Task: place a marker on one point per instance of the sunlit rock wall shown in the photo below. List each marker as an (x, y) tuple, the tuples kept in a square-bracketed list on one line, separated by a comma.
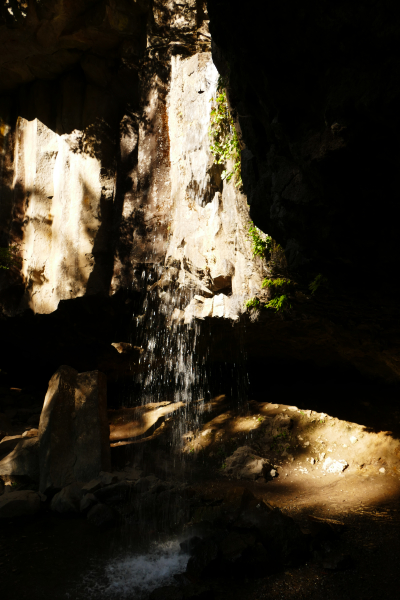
[(107, 171), (62, 214), (209, 224)]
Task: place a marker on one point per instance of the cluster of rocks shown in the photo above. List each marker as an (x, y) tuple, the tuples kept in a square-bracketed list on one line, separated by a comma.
[(246, 463), (238, 535), (125, 496), (71, 444)]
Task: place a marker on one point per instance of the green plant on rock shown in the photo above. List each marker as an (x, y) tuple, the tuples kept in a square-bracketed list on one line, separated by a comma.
[(319, 281), (279, 303), (253, 303), (261, 245), (275, 283), (224, 141), (9, 258)]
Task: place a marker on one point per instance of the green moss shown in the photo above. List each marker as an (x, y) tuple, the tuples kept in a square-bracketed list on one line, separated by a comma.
[(224, 141), (275, 283)]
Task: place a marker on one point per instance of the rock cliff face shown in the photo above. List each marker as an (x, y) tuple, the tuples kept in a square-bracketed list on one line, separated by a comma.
[(90, 180), (109, 192), (96, 187)]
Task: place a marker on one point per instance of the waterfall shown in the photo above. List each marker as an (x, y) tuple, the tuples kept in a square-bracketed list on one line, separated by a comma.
[(204, 278)]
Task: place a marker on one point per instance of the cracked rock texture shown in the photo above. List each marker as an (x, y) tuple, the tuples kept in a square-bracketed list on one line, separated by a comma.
[(107, 186)]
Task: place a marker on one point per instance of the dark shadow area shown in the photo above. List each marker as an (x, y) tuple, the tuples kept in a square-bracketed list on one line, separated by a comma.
[(340, 392)]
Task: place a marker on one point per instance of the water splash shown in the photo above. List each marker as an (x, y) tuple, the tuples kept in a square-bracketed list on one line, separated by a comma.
[(135, 575)]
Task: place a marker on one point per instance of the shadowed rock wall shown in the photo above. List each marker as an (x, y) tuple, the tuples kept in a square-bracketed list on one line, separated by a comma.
[(316, 90)]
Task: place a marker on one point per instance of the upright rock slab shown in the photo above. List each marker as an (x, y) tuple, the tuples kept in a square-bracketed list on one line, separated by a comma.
[(73, 431)]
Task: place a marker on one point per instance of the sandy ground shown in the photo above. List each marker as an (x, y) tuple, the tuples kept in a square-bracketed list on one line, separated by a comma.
[(44, 558), (361, 501)]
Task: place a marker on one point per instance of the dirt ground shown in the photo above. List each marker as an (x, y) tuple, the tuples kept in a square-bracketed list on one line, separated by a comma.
[(44, 558), (361, 501)]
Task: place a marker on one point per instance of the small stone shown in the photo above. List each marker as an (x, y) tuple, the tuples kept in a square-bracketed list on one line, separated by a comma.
[(334, 466), (344, 445), (272, 472), (122, 347), (87, 502), (102, 515), (312, 461), (322, 456), (108, 478), (92, 486), (382, 470), (306, 444), (68, 499), (30, 433), (353, 439)]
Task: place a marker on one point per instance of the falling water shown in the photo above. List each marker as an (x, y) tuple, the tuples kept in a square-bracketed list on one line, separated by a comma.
[(173, 368)]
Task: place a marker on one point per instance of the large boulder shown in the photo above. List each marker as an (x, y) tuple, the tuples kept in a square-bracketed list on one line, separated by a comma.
[(23, 461), (19, 504), (73, 430)]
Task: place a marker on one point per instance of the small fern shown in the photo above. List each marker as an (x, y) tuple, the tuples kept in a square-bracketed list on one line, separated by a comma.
[(260, 245), (317, 282), (253, 303), (224, 140), (279, 303)]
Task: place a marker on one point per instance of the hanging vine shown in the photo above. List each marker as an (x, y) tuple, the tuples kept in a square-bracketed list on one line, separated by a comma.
[(224, 141)]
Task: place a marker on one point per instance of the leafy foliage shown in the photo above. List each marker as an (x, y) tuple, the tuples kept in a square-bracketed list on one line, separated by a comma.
[(253, 303), (260, 245), (9, 258), (275, 283), (317, 282), (279, 303), (224, 141)]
